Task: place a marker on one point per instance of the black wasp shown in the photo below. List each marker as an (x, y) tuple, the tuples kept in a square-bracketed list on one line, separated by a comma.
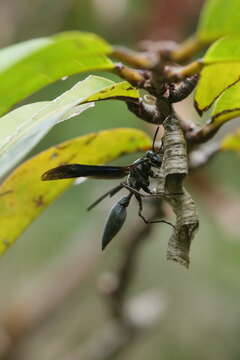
[(138, 178)]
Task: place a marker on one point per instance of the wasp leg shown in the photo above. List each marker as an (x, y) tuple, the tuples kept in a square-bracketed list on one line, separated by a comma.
[(110, 193), (154, 139), (136, 192), (150, 194), (147, 221)]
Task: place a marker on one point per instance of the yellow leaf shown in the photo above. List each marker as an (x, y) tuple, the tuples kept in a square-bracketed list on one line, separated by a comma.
[(214, 80), (227, 106), (23, 196)]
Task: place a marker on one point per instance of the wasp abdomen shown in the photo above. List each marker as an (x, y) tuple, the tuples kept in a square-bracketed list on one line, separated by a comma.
[(115, 220)]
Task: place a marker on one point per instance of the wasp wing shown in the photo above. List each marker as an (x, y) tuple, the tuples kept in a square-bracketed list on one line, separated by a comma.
[(78, 170)]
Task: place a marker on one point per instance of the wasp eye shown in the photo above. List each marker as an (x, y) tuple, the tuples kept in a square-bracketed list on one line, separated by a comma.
[(150, 153)]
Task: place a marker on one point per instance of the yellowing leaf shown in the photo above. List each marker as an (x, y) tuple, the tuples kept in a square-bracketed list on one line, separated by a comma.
[(29, 66), (121, 90), (227, 106), (219, 18), (231, 142), (213, 81), (23, 196)]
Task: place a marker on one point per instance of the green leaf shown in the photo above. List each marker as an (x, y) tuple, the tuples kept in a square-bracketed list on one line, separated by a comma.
[(11, 55), (23, 196), (231, 142), (219, 18), (23, 128), (29, 66), (214, 80), (226, 49), (222, 70), (227, 106)]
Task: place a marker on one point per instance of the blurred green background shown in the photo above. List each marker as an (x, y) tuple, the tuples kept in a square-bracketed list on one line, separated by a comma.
[(200, 317)]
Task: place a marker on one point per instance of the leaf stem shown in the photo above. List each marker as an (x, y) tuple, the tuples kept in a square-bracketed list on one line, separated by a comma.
[(142, 60), (177, 74), (186, 50), (133, 76)]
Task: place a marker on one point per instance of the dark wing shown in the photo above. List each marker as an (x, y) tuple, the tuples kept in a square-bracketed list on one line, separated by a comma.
[(78, 170)]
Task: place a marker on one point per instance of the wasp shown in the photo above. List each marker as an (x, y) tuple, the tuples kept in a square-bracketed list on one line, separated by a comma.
[(138, 176)]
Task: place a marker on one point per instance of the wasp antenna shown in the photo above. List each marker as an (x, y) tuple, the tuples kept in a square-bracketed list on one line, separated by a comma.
[(154, 139)]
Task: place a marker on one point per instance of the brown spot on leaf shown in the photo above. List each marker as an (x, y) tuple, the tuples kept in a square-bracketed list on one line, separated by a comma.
[(53, 156), (39, 201), (123, 153), (106, 90), (6, 193), (6, 243), (132, 139), (92, 138), (62, 146)]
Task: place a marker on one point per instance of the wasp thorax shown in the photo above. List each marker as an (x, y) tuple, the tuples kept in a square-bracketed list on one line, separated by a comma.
[(154, 158)]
